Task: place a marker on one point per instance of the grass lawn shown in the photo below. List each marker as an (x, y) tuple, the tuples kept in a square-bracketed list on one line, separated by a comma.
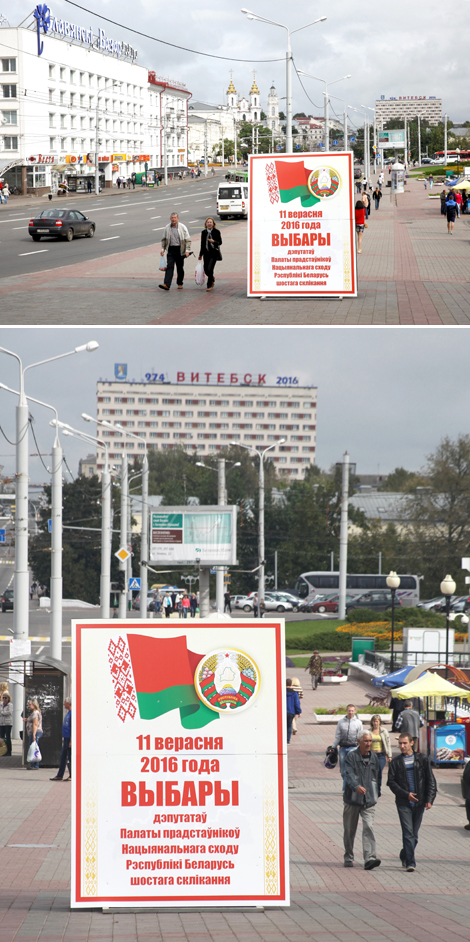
[(304, 636)]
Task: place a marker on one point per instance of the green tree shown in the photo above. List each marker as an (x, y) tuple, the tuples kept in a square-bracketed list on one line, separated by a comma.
[(402, 480), (81, 558), (439, 513)]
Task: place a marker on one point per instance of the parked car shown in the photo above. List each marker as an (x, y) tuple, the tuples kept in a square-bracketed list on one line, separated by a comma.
[(150, 600), (379, 601), (461, 604), (285, 597), (329, 605), (61, 224), (7, 599), (432, 605), (272, 605)]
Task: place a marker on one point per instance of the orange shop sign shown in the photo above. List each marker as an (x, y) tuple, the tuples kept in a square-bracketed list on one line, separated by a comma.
[(120, 157), (141, 157)]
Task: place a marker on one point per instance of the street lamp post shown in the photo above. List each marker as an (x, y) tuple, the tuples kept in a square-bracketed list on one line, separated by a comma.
[(56, 534), (263, 19), (145, 503), (345, 119), (105, 576), (221, 501), (393, 581), (375, 136), (261, 560), (21, 608), (97, 141), (448, 588), (366, 142), (327, 100), (343, 537)]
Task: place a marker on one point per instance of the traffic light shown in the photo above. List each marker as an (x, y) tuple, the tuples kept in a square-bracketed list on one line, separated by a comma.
[(121, 580)]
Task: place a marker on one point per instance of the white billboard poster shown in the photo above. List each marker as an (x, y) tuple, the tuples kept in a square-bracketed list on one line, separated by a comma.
[(179, 752), (301, 226), (186, 535)]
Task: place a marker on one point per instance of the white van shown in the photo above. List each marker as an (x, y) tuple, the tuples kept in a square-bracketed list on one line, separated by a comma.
[(232, 200)]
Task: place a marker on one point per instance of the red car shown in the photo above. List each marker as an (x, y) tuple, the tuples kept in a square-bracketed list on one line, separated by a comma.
[(328, 605)]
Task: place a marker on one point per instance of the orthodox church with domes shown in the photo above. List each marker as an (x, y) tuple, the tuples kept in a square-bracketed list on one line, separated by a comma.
[(249, 109)]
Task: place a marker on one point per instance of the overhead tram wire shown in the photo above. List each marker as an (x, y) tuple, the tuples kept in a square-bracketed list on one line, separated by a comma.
[(164, 42)]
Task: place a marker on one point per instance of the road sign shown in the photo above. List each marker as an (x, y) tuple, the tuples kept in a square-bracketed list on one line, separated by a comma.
[(2, 536), (134, 585), (49, 525), (297, 146), (279, 147), (320, 144), (123, 554), (335, 143), (352, 139)]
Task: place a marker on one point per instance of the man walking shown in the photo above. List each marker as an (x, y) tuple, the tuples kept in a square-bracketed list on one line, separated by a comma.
[(227, 602), (411, 779), (315, 668), (65, 759), (363, 780), (409, 722), (348, 732), (176, 242)]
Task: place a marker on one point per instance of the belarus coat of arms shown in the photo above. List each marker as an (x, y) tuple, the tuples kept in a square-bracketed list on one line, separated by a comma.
[(227, 680)]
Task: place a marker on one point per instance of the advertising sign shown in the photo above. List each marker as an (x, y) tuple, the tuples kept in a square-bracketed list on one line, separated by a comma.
[(182, 798), (301, 228), (182, 535), (392, 139)]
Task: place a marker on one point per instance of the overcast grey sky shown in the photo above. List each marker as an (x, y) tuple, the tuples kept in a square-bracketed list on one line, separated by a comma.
[(402, 49), (387, 395)]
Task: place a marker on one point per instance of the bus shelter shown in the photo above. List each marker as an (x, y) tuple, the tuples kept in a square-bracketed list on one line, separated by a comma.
[(46, 680)]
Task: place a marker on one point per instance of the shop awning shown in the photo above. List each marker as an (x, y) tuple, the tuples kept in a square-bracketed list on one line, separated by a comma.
[(429, 685)]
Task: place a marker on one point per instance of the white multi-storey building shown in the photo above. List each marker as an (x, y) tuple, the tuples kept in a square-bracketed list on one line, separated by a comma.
[(54, 86), (204, 412), (408, 106)]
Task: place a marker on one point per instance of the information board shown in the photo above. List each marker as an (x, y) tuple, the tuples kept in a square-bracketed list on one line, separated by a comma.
[(185, 535), (392, 139), (182, 797), (301, 226)]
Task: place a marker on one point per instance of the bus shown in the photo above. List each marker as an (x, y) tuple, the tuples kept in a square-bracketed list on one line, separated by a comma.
[(321, 582), (452, 156), (237, 176)]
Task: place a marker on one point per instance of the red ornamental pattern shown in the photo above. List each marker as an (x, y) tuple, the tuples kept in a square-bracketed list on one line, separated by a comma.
[(271, 180), (122, 678)]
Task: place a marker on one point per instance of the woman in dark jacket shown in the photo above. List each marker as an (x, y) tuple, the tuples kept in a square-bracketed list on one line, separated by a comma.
[(211, 240)]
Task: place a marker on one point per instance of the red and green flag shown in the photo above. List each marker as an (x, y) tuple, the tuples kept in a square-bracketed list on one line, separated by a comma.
[(292, 178), (152, 676)]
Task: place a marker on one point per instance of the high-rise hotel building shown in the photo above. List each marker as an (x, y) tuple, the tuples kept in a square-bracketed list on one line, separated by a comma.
[(204, 412)]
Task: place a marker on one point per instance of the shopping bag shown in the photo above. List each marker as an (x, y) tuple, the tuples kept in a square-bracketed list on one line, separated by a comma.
[(34, 753), (162, 265), (199, 273)]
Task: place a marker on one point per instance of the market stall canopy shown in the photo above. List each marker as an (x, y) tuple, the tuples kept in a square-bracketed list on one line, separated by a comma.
[(429, 685), (463, 184), (392, 680)]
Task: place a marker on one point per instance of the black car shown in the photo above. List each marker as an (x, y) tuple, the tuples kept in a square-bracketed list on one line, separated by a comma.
[(61, 224), (7, 599), (377, 601)]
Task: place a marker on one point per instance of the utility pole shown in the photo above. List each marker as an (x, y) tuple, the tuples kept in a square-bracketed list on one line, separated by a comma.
[(204, 598), (406, 142), (123, 565), (275, 570), (326, 112), (56, 548), (343, 538), (105, 579), (419, 140), (445, 140), (288, 96), (97, 169), (205, 148), (144, 543), (221, 501), (165, 155), (236, 142)]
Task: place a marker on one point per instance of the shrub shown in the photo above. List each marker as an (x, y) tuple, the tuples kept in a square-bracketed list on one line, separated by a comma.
[(324, 641), (371, 710), (362, 615)]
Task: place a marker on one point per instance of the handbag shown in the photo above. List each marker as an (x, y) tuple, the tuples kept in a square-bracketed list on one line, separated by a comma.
[(162, 265)]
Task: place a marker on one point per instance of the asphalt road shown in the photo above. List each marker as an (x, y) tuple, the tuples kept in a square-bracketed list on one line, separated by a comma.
[(129, 219)]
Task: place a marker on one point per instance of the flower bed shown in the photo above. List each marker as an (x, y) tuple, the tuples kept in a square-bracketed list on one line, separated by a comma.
[(381, 630)]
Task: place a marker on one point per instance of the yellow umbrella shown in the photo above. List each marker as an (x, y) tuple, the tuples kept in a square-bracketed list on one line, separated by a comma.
[(429, 685), (462, 185)]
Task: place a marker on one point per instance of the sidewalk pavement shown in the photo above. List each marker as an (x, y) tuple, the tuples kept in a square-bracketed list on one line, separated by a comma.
[(21, 202), (411, 272), (329, 903)]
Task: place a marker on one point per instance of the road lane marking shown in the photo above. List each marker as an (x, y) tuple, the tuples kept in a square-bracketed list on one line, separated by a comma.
[(155, 217), (40, 649), (20, 219), (108, 238), (120, 214), (113, 225), (184, 211), (192, 220), (158, 229), (37, 252), (15, 228)]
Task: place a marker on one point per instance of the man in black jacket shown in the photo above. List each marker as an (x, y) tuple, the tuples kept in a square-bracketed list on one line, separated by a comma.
[(411, 779)]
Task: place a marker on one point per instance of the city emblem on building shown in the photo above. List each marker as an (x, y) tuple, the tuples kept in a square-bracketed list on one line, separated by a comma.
[(227, 680), (324, 182), (42, 16)]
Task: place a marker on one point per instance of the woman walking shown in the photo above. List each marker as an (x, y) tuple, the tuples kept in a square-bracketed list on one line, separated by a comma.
[(296, 685), (211, 240), (6, 713), (459, 201), (34, 726), (451, 208), (380, 741), (360, 214), (443, 196)]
